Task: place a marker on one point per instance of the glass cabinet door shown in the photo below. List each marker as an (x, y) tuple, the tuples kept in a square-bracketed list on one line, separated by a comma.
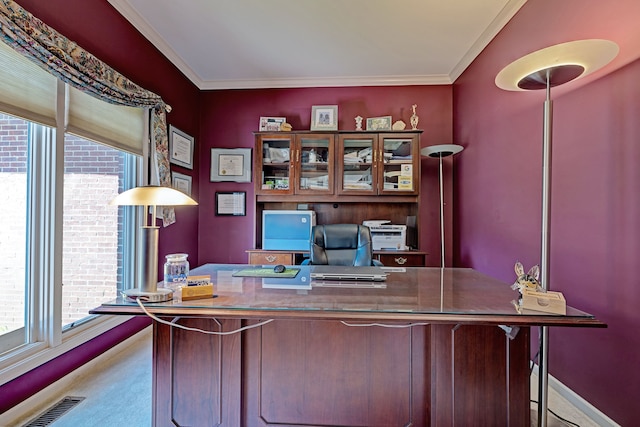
[(356, 164), (274, 165), (314, 164), (398, 171)]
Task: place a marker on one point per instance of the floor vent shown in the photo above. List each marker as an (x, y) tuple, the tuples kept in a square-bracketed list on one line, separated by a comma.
[(55, 412)]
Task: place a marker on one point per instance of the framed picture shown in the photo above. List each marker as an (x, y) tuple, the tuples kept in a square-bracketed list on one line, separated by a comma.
[(231, 203), (324, 117), (231, 164), (379, 123), (271, 124), (181, 182), (180, 148)]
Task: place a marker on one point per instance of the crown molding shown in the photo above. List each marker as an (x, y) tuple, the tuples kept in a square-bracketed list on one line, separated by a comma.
[(505, 15), (143, 26)]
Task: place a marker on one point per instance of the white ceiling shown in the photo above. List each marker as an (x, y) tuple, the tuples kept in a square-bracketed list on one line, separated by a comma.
[(238, 44)]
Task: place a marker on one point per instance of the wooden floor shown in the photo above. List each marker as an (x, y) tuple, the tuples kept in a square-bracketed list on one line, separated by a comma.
[(118, 393)]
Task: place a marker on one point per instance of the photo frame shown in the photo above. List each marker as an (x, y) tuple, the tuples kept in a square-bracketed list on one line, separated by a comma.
[(271, 124), (180, 148), (231, 203), (379, 123), (324, 117), (181, 182), (231, 164)]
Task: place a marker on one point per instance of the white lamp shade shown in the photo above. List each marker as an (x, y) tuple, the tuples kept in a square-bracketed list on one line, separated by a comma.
[(152, 195), (442, 150), (590, 55)]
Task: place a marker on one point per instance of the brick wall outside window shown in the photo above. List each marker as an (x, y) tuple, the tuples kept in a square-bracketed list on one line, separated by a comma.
[(90, 242)]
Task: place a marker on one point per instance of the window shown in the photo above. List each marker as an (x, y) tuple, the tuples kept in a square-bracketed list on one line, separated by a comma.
[(92, 242), (95, 235), (13, 230), (63, 248)]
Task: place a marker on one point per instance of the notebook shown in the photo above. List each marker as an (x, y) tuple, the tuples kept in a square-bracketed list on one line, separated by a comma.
[(338, 272)]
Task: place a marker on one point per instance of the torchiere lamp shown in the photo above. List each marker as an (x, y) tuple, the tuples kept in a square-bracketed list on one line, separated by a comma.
[(441, 151), (150, 196), (544, 69)]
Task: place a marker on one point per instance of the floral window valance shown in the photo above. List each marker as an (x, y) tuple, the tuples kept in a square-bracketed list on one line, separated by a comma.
[(75, 66)]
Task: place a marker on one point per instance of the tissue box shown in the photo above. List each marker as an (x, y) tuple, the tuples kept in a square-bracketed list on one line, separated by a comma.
[(549, 302)]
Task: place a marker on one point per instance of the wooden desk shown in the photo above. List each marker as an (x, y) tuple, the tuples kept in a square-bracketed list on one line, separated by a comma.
[(328, 359)]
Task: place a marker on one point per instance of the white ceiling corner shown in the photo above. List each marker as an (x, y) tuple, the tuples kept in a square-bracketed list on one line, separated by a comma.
[(246, 44)]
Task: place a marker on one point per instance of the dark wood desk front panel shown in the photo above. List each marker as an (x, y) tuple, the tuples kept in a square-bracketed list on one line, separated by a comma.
[(454, 367)]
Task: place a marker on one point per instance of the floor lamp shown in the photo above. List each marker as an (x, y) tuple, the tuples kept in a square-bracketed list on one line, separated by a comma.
[(440, 152), (150, 196), (544, 69)]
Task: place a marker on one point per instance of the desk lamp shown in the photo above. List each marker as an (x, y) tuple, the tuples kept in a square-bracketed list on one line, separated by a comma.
[(544, 69), (150, 196), (441, 151)]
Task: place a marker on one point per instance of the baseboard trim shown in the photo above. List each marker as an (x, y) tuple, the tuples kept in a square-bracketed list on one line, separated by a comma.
[(578, 401), (52, 393)]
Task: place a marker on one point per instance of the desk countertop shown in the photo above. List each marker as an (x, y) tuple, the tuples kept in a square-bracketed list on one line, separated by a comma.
[(412, 294)]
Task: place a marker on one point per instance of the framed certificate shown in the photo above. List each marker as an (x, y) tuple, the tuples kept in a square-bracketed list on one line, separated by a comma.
[(231, 164), (231, 203), (180, 148)]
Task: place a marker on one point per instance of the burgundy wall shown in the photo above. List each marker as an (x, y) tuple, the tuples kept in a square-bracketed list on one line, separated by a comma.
[(229, 117), (98, 28), (595, 202)]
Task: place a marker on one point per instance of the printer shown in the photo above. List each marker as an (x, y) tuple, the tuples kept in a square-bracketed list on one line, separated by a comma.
[(385, 236)]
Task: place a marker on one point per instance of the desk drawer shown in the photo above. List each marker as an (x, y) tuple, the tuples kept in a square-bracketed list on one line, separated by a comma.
[(267, 257), (401, 259)]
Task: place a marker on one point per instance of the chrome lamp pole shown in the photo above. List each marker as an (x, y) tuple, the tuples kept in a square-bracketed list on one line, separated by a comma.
[(441, 151), (544, 69)]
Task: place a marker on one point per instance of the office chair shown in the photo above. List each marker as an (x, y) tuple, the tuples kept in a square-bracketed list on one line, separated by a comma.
[(341, 244)]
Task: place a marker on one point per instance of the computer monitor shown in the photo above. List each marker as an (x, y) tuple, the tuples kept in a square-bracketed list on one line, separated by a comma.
[(287, 230)]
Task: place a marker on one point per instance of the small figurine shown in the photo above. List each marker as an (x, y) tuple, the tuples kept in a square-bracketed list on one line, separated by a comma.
[(358, 123), (529, 280), (414, 117)]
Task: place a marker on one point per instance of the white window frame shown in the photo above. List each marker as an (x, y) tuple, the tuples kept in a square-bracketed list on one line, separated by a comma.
[(46, 338)]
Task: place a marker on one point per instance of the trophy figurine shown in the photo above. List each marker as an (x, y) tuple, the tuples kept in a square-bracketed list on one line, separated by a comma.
[(358, 123), (414, 117)]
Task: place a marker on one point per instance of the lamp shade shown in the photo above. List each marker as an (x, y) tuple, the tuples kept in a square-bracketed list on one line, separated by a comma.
[(568, 61), (443, 150), (152, 195)]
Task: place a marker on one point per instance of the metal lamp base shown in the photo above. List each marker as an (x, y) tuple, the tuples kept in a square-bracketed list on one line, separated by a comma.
[(160, 295)]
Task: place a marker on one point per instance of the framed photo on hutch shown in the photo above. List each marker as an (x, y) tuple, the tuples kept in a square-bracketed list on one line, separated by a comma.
[(231, 164), (379, 123), (180, 148), (271, 124), (324, 117)]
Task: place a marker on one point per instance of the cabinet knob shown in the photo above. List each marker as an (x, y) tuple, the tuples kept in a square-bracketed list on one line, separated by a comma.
[(270, 258), (400, 260)]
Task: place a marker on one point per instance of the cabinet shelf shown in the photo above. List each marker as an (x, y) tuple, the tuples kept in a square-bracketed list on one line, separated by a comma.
[(352, 176)]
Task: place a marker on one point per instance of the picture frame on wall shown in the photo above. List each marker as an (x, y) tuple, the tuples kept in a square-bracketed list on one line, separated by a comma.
[(180, 148), (324, 117), (271, 124), (379, 123), (181, 182), (232, 203), (230, 164)]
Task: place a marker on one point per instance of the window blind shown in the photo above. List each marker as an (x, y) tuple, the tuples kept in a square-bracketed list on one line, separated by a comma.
[(116, 125), (29, 92), (26, 90)]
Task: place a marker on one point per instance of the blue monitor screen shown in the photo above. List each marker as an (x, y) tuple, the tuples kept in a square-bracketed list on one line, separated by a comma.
[(287, 230)]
